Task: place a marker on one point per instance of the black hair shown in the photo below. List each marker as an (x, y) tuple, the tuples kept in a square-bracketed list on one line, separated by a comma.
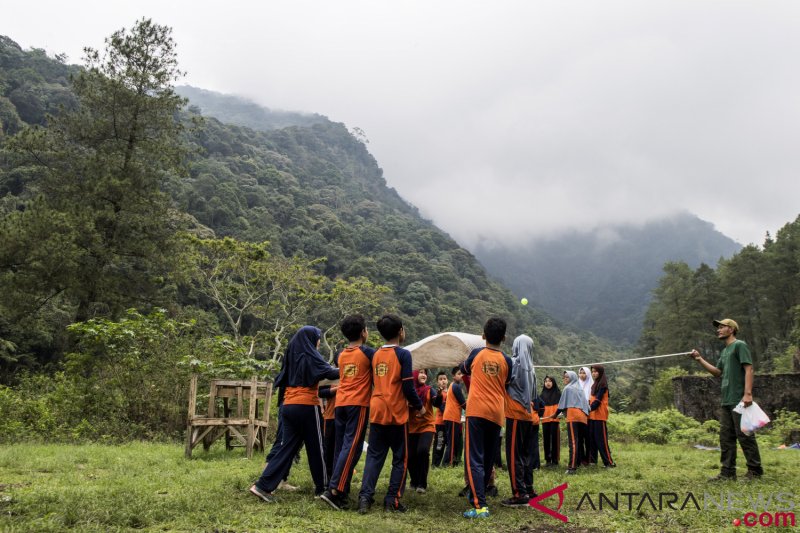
[(352, 327), (494, 330), (442, 373), (455, 369), (389, 326)]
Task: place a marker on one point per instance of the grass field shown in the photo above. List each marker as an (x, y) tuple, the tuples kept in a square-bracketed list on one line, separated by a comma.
[(152, 487)]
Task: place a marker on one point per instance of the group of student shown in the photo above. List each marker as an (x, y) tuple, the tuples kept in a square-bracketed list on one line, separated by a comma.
[(379, 389), (584, 405)]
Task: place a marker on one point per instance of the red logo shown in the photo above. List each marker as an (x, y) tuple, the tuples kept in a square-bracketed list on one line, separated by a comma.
[(534, 502)]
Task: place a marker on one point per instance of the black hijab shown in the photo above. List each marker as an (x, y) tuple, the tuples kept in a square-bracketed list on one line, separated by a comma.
[(303, 365), (601, 382), (553, 395)]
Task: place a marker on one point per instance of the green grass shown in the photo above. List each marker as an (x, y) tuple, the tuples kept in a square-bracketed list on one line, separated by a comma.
[(152, 487)]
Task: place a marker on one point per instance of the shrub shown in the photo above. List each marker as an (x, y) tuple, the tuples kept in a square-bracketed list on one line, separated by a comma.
[(781, 428), (659, 426), (662, 395)]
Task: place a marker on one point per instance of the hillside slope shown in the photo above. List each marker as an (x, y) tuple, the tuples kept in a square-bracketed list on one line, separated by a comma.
[(602, 280), (310, 189)]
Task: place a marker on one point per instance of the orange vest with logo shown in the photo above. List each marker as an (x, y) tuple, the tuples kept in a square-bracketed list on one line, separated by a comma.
[(388, 405), (355, 377), (489, 371)]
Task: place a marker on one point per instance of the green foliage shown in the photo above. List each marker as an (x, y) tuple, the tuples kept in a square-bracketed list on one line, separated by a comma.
[(782, 427), (89, 230), (222, 357), (127, 373), (660, 426), (661, 395), (93, 201), (758, 287), (601, 280)]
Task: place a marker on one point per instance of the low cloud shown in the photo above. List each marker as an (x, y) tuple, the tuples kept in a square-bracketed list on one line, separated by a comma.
[(512, 120)]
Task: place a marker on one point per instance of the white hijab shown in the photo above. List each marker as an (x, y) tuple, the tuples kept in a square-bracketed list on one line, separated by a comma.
[(586, 385)]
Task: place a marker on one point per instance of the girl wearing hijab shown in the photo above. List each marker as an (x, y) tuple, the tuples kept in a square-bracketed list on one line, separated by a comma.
[(574, 406), (301, 416), (586, 381), (598, 415), (551, 433), (520, 441), (420, 432)]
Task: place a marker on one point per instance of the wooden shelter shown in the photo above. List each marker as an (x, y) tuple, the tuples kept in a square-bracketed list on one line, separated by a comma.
[(247, 427)]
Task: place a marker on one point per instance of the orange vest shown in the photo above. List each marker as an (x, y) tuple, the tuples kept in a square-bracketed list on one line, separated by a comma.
[(601, 413), (355, 378), (425, 422), (388, 405), (576, 415), (514, 410), (439, 410), (487, 392), (452, 410), (301, 396), (550, 410)]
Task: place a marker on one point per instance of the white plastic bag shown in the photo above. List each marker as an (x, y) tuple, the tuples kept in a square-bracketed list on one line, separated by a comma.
[(753, 418)]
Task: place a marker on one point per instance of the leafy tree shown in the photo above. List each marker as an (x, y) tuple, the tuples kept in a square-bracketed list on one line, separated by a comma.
[(261, 297), (99, 171), (345, 297), (759, 287), (662, 395)]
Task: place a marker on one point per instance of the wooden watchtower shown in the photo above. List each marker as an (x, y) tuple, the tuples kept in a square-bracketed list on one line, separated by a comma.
[(247, 427)]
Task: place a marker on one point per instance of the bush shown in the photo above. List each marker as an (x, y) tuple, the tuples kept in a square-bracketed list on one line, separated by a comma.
[(781, 428), (662, 395), (40, 407), (123, 382), (706, 434), (661, 427)]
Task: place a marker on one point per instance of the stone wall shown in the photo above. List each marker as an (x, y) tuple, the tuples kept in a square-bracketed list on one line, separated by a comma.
[(698, 396)]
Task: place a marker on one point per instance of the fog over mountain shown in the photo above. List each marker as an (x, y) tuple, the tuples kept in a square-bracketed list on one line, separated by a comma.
[(507, 120), (601, 280)]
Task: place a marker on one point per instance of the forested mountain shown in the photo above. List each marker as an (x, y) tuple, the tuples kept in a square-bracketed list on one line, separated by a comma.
[(242, 112), (99, 218), (602, 280), (757, 287)]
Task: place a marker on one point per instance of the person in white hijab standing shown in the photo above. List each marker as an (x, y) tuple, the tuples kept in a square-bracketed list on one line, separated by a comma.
[(575, 407), (586, 381)]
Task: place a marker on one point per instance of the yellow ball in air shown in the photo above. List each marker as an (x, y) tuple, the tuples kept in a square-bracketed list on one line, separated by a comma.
[(524, 301)]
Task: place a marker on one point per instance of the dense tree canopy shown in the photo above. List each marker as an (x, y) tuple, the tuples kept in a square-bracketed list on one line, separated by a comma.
[(132, 225), (758, 287)]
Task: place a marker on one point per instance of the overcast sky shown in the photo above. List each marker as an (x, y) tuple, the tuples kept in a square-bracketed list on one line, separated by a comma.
[(502, 120)]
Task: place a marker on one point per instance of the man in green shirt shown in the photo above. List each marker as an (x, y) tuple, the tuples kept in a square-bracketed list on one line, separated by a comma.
[(735, 366)]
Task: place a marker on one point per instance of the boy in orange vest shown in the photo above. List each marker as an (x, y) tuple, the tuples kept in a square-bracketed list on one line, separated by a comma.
[(392, 394), (491, 370)]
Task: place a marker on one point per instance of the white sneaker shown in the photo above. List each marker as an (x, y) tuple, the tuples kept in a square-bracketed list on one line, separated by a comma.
[(285, 486)]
